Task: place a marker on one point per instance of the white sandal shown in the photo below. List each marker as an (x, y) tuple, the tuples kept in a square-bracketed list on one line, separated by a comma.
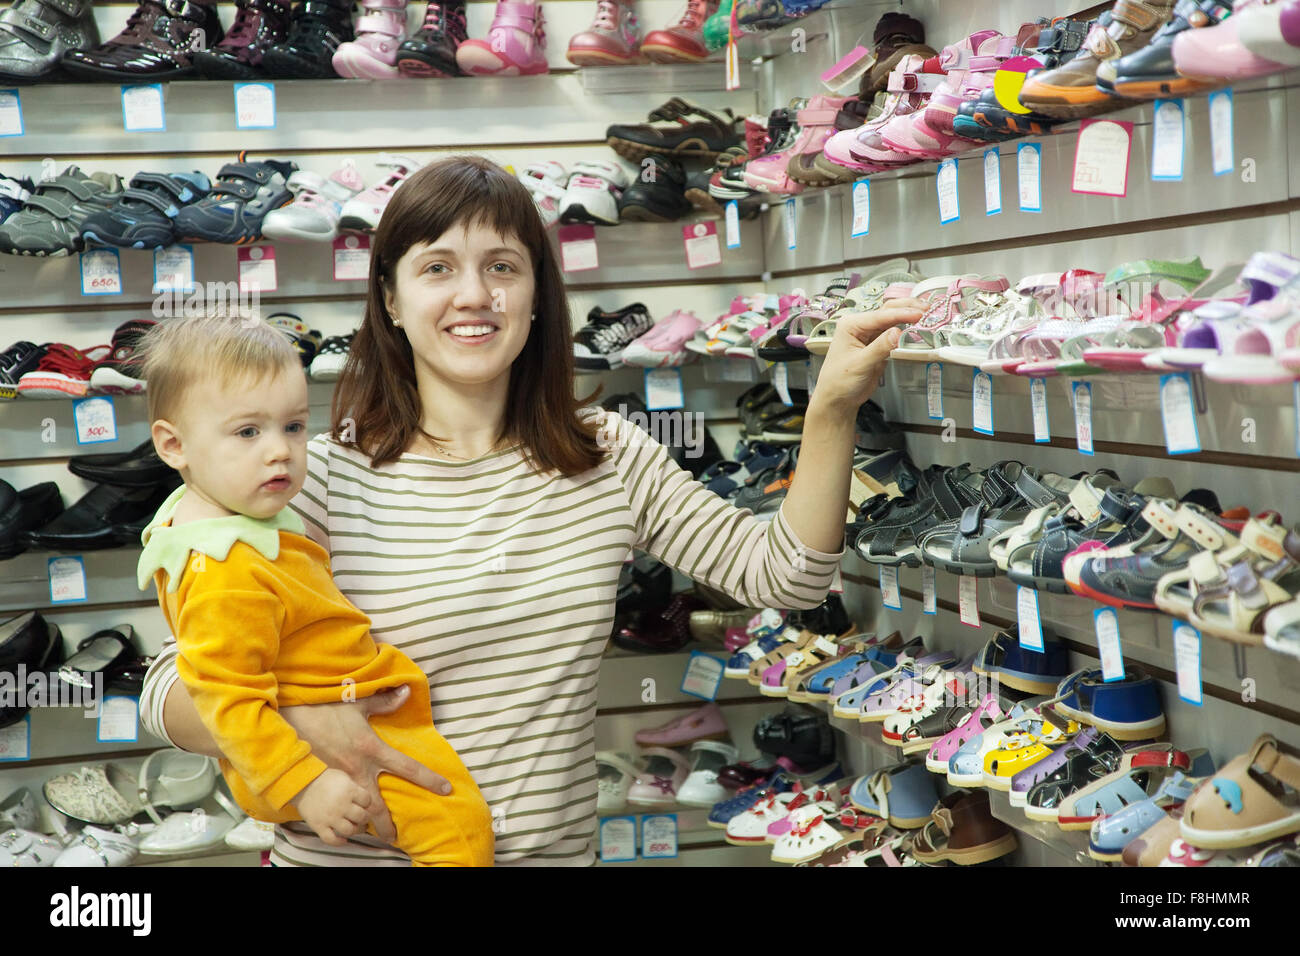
[(612, 787)]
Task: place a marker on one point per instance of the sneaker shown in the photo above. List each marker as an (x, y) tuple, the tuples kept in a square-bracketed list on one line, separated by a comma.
[(373, 54), (63, 372), (657, 195), (316, 29), (35, 34), (15, 362), (13, 193), (763, 496), (121, 373), (516, 43), (613, 37), (361, 213), (678, 128), (239, 200), (329, 360), (317, 205), (431, 50), (665, 344), (599, 345), (683, 42), (155, 44), (259, 25), (50, 223), (144, 218), (305, 340), (546, 183), (592, 193)]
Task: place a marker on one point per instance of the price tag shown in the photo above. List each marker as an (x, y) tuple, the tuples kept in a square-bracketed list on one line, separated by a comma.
[(1178, 411), (731, 216), (736, 370), (119, 720), (1187, 657), (578, 248), (659, 836), (861, 209), (992, 182), (1223, 155), (1083, 417), (934, 390), (968, 600), (702, 249), (1101, 158), (791, 226), (67, 580), (945, 182), (1038, 402), (16, 740), (1168, 136), (928, 600), (11, 113), (256, 268), (173, 269), (781, 382), (617, 839), (96, 421), (733, 64), (703, 675), (142, 109), (889, 588), (1029, 166), (1106, 622), (982, 397), (351, 258), (837, 582), (255, 105), (663, 389), (1027, 616), (101, 272)]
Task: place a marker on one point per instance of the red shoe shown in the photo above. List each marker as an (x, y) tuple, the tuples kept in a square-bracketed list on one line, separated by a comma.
[(684, 41), (613, 36), (64, 372)]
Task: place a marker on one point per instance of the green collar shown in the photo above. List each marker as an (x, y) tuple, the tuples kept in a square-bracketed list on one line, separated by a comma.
[(170, 548)]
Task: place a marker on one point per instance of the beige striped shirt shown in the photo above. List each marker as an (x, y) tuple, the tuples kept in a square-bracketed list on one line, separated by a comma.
[(500, 583)]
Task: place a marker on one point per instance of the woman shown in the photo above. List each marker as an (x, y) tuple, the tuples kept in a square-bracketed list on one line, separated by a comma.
[(481, 517)]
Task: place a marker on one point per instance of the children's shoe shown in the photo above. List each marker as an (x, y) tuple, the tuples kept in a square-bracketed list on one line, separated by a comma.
[(373, 54), (258, 26), (316, 30), (665, 344), (34, 36), (50, 223), (361, 213), (15, 362), (702, 788), (516, 43), (431, 50), (613, 37), (546, 183), (658, 194), (122, 373), (13, 193), (683, 42), (666, 770), (238, 202), (317, 205), (144, 218), (592, 193), (598, 346), (331, 357), (63, 372), (678, 128), (155, 44)]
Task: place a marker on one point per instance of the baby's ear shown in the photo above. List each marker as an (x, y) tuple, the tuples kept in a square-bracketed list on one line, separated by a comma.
[(167, 443)]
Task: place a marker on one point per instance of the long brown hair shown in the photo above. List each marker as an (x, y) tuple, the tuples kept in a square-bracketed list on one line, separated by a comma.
[(377, 386)]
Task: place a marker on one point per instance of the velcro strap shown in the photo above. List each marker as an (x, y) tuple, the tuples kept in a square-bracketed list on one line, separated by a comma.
[(900, 82), (1204, 568), (1243, 580), (33, 25), (1272, 268), (995, 486), (73, 8), (1115, 506), (1160, 515), (972, 520), (1084, 498), (527, 11), (986, 62), (181, 190), (670, 111), (249, 171), (1204, 531), (152, 199), (55, 206), (1137, 14), (1161, 758), (1033, 490), (946, 496), (1265, 538)]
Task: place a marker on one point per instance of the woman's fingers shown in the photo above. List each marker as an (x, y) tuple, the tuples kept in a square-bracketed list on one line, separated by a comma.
[(386, 701), (400, 765)]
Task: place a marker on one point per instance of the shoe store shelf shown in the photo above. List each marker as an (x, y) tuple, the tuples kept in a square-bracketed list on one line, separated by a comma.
[(629, 679), (1072, 844), (838, 21)]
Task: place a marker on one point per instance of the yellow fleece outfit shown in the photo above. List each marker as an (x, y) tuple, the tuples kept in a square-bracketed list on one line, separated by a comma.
[(260, 625)]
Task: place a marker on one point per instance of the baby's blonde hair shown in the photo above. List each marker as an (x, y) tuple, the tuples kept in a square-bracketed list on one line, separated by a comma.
[(178, 353)]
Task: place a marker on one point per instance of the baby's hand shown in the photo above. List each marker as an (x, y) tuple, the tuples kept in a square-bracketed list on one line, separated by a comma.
[(334, 806)]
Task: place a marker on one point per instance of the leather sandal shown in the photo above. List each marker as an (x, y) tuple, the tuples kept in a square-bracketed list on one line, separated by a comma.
[(963, 830)]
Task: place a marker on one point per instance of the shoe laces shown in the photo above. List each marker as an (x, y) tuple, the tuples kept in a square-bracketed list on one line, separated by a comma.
[(438, 17), (69, 361), (697, 11)]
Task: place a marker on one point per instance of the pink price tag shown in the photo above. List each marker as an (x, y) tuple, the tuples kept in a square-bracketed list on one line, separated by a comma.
[(578, 248), (852, 66), (256, 268), (702, 248), (1101, 158), (351, 258)]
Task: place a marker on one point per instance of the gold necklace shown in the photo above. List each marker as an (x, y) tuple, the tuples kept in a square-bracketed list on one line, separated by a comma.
[(450, 454)]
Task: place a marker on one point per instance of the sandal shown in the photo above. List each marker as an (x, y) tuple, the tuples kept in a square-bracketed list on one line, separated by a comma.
[(1076, 289), (783, 342), (1255, 797), (889, 280), (1137, 778), (614, 775), (1082, 763), (1112, 834), (989, 712), (893, 534), (1050, 768), (963, 830), (1282, 629), (919, 342)]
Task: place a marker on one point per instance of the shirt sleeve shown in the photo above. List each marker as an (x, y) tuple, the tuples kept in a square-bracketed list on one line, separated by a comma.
[(687, 527), (311, 503), (157, 685)]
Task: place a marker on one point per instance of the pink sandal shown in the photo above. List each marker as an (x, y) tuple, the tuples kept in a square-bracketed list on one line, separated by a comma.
[(909, 86), (516, 43)]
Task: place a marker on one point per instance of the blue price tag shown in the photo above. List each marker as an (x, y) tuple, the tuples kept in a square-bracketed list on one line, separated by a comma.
[(1168, 138), (659, 836), (663, 389), (731, 218), (1178, 412), (992, 182), (1028, 618), (945, 184), (861, 225), (1187, 661), (142, 109), (95, 419), (982, 399), (617, 839), (67, 580), (119, 720), (1222, 149), (703, 676), (1083, 417)]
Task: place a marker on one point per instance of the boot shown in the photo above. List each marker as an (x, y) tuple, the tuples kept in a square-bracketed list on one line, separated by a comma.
[(259, 24), (516, 43), (683, 42), (614, 36), (431, 50), (156, 43), (316, 30), (34, 35), (373, 54)]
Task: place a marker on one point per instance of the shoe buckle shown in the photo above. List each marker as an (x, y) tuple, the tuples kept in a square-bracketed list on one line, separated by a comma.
[(177, 8)]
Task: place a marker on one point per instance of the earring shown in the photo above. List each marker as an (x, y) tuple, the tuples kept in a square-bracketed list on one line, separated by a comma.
[(397, 324), (534, 318)]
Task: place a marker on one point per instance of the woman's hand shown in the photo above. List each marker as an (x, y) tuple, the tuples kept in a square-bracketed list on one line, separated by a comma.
[(341, 736), (857, 356)]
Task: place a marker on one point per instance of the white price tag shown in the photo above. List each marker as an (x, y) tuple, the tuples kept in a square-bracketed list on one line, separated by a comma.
[(702, 249), (1028, 618), (1106, 622), (861, 209), (1038, 402), (992, 182), (95, 419), (254, 105), (733, 65), (737, 370), (663, 389), (781, 382), (659, 836), (788, 215), (67, 580), (1169, 134), (982, 397), (351, 258), (617, 839), (928, 598), (731, 215), (1178, 411), (142, 109), (934, 390), (889, 588), (1029, 166), (11, 113), (119, 720), (578, 248), (256, 268), (837, 582), (968, 600), (1187, 657), (945, 182), (1083, 417), (173, 269), (1101, 158), (1223, 153), (101, 272), (16, 740), (703, 675)]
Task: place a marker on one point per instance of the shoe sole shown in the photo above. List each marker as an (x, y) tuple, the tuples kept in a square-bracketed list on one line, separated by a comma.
[(640, 213), (353, 65), (481, 61), (86, 72), (576, 214), (418, 68), (662, 53), (114, 382), (600, 58), (700, 199), (693, 147), (219, 68), (1152, 89)]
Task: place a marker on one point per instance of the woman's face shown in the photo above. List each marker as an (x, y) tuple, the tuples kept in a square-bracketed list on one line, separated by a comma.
[(465, 302)]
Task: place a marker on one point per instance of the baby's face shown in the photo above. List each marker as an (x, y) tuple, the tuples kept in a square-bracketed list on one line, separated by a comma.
[(245, 443)]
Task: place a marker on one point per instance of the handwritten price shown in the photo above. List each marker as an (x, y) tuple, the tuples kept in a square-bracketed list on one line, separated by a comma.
[(104, 282), (660, 847)]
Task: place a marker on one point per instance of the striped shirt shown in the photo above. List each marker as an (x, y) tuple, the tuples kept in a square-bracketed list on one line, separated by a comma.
[(500, 583)]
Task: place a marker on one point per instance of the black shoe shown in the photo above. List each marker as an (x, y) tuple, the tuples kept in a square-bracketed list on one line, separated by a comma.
[(678, 128), (32, 643), (155, 44), (804, 738), (138, 468), (764, 493), (644, 586), (15, 362), (104, 517), (828, 618), (316, 30), (22, 511), (105, 652), (657, 195), (873, 432), (598, 346), (143, 217), (431, 50), (259, 25)]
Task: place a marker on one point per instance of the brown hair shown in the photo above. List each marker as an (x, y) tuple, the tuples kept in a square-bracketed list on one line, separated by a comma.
[(377, 386)]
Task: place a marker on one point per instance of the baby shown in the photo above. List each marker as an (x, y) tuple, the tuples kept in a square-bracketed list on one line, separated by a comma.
[(258, 620)]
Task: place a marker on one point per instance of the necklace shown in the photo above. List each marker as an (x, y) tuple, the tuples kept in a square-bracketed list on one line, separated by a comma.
[(450, 454)]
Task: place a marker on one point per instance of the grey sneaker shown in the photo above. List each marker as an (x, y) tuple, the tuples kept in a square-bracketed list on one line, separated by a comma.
[(50, 224), (34, 35)]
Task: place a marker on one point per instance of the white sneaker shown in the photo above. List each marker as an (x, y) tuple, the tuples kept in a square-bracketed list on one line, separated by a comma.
[(592, 193), (252, 835), (546, 182), (186, 832), (361, 213), (317, 205), (329, 360), (701, 788)]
